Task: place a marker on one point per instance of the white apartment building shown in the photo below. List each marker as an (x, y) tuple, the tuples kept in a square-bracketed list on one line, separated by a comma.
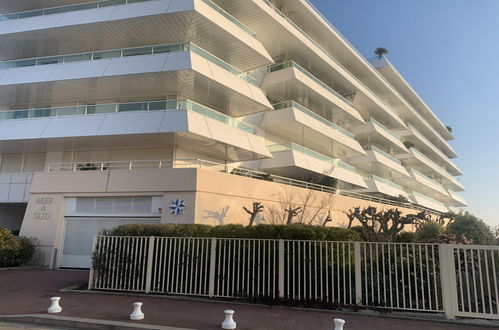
[(124, 111)]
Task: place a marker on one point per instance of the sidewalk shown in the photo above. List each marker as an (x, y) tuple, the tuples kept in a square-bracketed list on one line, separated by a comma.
[(29, 292)]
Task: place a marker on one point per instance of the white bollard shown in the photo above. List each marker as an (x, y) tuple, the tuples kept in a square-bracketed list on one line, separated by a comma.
[(54, 307), (229, 321), (338, 324), (137, 312)]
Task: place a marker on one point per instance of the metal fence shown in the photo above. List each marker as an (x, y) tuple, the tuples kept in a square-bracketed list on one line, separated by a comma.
[(457, 280)]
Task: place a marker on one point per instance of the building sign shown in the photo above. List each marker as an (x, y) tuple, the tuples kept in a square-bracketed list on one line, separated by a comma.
[(42, 212)]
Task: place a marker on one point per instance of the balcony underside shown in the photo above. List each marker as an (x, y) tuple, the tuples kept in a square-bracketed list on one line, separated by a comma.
[(300, 166), (380, 165), (371, 134), (428, 202), (132, 25), (297, 127), (148, 77), (292, 84), (378, 187), (171, 128)]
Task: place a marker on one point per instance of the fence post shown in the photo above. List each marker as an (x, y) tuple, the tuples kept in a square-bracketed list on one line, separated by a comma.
[(150, 253), (280, 270), (448, 279), (358, 274), (213, 258), (91, 274)]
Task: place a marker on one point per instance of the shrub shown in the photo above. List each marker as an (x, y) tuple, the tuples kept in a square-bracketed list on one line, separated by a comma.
[(405, 237), (428, 232), (472, 228), (15, 251), (297, 232)]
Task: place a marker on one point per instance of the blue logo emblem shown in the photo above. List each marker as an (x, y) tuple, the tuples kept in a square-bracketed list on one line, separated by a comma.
[(177, 207)]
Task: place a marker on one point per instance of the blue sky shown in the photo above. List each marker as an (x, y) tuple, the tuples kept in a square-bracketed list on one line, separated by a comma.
[(448, 50)]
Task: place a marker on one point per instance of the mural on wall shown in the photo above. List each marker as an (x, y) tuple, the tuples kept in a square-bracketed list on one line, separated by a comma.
[(177, 207)]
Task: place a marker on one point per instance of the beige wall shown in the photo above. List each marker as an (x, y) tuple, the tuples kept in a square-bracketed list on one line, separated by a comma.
[(211, 198)]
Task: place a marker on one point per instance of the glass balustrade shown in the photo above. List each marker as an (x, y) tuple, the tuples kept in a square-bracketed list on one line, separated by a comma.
[(378, 150), (126, 107), (382, 180)]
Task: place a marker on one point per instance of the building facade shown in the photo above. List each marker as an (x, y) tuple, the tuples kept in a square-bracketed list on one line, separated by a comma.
[(124, 111)]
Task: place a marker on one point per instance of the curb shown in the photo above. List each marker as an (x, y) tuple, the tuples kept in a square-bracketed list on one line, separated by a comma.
[(424, 317), (80, 323)]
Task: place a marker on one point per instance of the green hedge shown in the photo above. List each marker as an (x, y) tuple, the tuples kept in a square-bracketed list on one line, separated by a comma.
[(297, 232), (15, 251)]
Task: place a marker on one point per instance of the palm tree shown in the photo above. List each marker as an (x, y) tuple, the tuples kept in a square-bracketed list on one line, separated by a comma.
[(380, 51)]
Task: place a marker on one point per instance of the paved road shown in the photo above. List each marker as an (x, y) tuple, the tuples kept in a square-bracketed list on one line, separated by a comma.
[(19, 326), (28, 292)]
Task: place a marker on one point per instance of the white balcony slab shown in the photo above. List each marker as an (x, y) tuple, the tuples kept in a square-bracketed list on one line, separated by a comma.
[(374, 133), (134, 24), (424, 185), (299, 127), (382, 186), (286, 163), (137, 77), (427, 202), (379, 163)]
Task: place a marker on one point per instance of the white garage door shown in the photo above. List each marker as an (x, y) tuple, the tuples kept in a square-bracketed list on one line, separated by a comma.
[(79, 234)]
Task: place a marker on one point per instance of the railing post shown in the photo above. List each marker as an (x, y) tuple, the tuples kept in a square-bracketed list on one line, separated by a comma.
[(280, 270), (91, 274), (150, 253), (358, 274), (213, 258), (448, 279)]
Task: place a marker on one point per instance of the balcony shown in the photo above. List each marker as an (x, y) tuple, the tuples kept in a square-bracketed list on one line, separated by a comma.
[(428, 202), (380, 163), (428, 148), (290, 81), (295, 123), (295, 161), (130, 23), (379, 185), (181, 123), (416, 159), (373, 132), (423, 184), (134, 73), (456, 199)]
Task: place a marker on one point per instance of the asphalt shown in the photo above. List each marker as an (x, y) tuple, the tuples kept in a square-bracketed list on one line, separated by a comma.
[(27, 292)]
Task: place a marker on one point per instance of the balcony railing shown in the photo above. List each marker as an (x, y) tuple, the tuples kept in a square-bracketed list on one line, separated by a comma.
[(382, 127), (384, 181), (230, 18), (415, 193), (224, 168), (311, 153), (443, 170), (66, 9), (127, 107), (126, 52), (383, 153), (289, 64), (297, 106)]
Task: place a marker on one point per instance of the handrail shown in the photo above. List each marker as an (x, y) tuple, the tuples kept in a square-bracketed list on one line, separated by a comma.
[(224, 168), (126, 52), (297, 106), (127, 107), (66, 8)]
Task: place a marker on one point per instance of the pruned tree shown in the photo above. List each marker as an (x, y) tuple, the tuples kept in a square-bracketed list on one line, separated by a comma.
[(257, 208), (381, 226), (329, 218), (291, 213)]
